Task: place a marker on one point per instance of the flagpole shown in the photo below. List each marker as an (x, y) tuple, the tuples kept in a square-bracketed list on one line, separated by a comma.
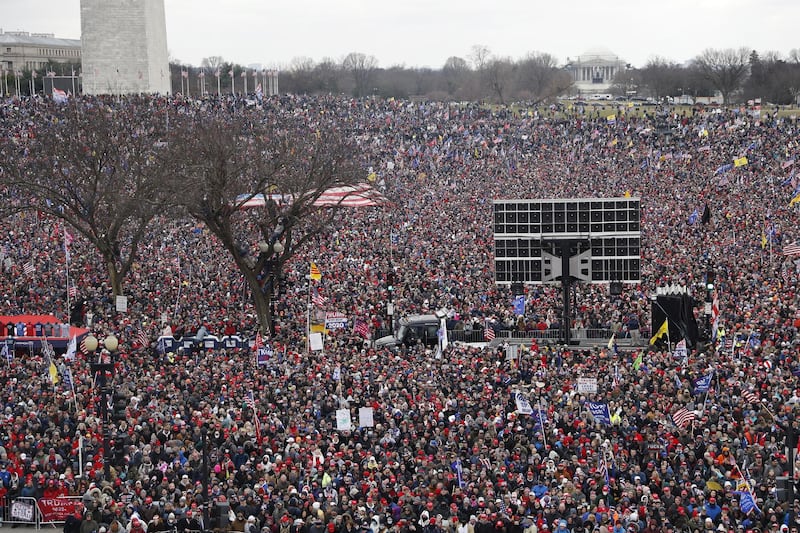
[(66, 262), (308, 318), (541, 422)]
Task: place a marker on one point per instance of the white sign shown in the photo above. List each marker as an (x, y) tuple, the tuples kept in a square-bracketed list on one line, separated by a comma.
[(335, 321), (22, 511), (587, 385), (315, 342), (343, 422), (512, 352), (523, 405), (122, 304), (365, 419)]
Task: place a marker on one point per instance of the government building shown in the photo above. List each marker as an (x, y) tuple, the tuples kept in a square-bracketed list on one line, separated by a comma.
[(21, 51), (594, 70)]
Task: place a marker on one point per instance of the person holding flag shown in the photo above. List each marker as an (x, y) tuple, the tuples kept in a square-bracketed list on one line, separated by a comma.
[(662, 331)]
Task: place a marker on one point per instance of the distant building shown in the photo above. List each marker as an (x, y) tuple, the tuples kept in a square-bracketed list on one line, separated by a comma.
[(594, 70), (23, 51), (124, 47)]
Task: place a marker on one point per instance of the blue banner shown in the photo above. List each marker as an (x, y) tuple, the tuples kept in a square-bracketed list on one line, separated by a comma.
[(519, 305), (600, 412), (701, 385)]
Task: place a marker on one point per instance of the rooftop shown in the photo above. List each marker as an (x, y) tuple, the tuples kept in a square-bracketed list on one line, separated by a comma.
[(36, 39)]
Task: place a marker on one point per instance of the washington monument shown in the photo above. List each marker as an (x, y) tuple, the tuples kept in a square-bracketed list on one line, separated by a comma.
[(124, 47)]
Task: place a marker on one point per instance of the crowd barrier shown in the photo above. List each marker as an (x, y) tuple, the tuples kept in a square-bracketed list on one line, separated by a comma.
[(31, 512)]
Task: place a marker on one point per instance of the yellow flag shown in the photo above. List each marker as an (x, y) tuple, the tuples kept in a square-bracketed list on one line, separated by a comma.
[(315, 274), (627, 194), (663, 330), (53, 373), (794, 200), (740, 162)]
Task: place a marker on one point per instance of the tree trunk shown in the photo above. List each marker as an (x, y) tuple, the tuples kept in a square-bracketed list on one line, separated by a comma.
[(114, 277), (261, 303)]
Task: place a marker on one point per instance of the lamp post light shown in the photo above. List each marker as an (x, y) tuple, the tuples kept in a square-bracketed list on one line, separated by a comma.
[(101, 369)]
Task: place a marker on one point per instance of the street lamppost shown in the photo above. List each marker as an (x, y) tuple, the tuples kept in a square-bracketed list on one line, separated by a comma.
[(103, 368), (272, 270)]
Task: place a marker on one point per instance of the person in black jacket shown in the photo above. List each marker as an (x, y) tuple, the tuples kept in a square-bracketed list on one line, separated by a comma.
[(73, 523)]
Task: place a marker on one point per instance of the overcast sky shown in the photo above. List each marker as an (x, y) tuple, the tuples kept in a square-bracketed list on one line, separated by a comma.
[(427, 32)]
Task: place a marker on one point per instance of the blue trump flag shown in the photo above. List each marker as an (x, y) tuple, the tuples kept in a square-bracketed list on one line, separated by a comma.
[(600, 412), (747, 503), (703, 384), (723, 168), (519, 304), (694, 216)]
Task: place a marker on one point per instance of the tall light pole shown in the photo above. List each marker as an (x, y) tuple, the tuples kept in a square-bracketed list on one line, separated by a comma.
[(102, 369)]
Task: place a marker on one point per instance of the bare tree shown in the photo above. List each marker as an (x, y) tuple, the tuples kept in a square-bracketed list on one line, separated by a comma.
[(362, 68), (480, 56), (539, 78), (329, 73), (455, 73), (96, 167), (498, 74), (212, 62), (662, 77), (726, 69), (224, 163)]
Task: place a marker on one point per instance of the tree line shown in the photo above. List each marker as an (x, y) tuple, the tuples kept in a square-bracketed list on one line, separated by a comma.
[(736, 74)]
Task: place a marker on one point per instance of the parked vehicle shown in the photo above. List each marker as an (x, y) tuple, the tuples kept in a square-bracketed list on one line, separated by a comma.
[(413, 329)]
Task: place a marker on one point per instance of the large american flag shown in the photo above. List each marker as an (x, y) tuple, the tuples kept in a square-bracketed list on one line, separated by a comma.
[(361, 328), (750, 396), (317, 299), (792, 249), (682, 417)]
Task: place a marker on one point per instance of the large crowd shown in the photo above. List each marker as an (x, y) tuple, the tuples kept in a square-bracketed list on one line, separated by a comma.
[(448, 450)]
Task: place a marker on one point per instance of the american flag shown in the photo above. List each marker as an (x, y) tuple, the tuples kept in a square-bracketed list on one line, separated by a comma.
[(317, 299), (602, 469), (750, 396), (250, 401), (29, 268), (361, 328), (714, 315), (83, 345), (792, 249), (73, 291), (682, 417), (488, 333), (141, 338)]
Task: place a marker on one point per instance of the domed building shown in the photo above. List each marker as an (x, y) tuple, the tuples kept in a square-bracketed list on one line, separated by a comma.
[(594, 70)]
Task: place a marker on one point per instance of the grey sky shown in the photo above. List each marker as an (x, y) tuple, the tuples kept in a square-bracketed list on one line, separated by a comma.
[(427, 32)]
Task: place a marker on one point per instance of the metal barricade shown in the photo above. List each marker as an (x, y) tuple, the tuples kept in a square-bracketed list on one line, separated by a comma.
[(54, 511), (22, 511)]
